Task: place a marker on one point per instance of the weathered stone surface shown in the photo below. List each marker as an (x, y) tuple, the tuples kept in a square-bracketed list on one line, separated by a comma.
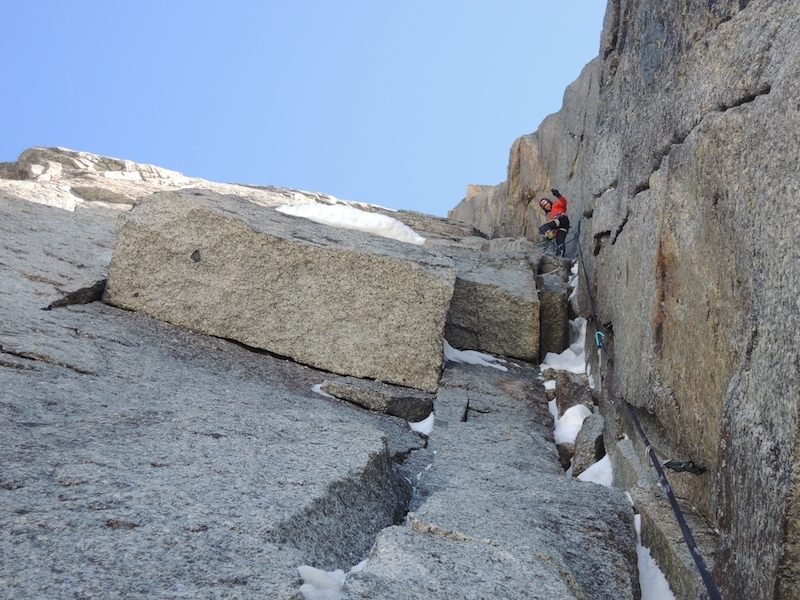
[(700, 329), (185, 464), (589, 444), (47, 254), (535, 254), (566, 451), (597, 565), (495, 492), (553, 314), (511, 208), (464, 320), (428, 226), (553, 156), (481, 208), (660, 530), (679, 144), (406, 403), (8, 170), (71, 179), (99, 194), (406, 565), (143, 460), (341, 300), (572, 389), (495, 305)]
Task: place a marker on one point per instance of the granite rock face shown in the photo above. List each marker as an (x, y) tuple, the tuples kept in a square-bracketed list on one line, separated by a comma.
[(553, 156), (495, 305), (406, 403), (551, 536), (589, 444), (339, 300), (554, 314), (145, 459), (677, 147), (72, 179), (572, 389)]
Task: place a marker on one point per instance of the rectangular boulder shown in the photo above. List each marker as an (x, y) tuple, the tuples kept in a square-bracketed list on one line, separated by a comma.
[(336, 299), (553, 314), (495, 306), (411, 405)]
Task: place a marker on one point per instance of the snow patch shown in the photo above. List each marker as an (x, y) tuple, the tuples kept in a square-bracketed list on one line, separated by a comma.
[(652, 581), (317, 389), (573, 359), (600, 472), (425, 427), (570, 423), (348, 217), (472, 357), (325, 585)]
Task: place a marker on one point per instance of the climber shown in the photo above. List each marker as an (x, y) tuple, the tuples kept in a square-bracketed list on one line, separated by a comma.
[(558, 225)]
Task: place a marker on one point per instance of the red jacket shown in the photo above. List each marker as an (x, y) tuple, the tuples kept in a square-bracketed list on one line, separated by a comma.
[(559, 207)]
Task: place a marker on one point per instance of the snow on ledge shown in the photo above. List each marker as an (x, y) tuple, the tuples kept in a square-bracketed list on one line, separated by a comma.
[(347, 217), (424, 427), (472, 357)]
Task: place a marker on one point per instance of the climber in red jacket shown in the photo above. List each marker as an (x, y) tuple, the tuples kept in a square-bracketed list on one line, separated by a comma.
[(558, 225)]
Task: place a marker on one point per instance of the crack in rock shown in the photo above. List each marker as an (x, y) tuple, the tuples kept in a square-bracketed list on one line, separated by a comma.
[(424, 527), (679, 138), (620, 228), (45, 359), (85, 295), (763, 91)]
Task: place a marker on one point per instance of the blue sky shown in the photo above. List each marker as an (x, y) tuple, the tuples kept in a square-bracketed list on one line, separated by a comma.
[(401, 104)]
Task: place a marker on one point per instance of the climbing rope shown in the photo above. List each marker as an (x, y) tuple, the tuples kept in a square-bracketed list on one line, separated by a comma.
[(678, 466), (705, 574)]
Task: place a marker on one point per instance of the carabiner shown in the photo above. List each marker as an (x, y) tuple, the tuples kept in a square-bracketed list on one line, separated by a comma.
[(599, 337)]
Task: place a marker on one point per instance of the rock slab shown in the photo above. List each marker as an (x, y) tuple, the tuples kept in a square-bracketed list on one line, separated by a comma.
[(493, 515), (495, 306), (339, 300), (554, 314), (142, 460), (405, 403), (589, 444)]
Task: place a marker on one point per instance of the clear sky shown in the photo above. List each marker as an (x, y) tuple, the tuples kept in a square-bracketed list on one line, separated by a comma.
[(399, 103)]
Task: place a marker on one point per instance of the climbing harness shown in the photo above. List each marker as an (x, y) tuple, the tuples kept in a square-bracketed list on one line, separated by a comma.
[(550, 243), (677, 466)]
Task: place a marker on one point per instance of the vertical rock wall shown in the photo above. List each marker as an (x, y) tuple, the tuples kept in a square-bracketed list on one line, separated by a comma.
[(679, 149)]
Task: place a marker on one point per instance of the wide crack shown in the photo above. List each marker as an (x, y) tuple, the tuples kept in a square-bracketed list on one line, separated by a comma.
[(679, 138), (85, 295), (333, 530)]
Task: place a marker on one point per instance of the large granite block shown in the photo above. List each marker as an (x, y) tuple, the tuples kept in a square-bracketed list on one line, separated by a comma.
[(495, 305), (341, 300)]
